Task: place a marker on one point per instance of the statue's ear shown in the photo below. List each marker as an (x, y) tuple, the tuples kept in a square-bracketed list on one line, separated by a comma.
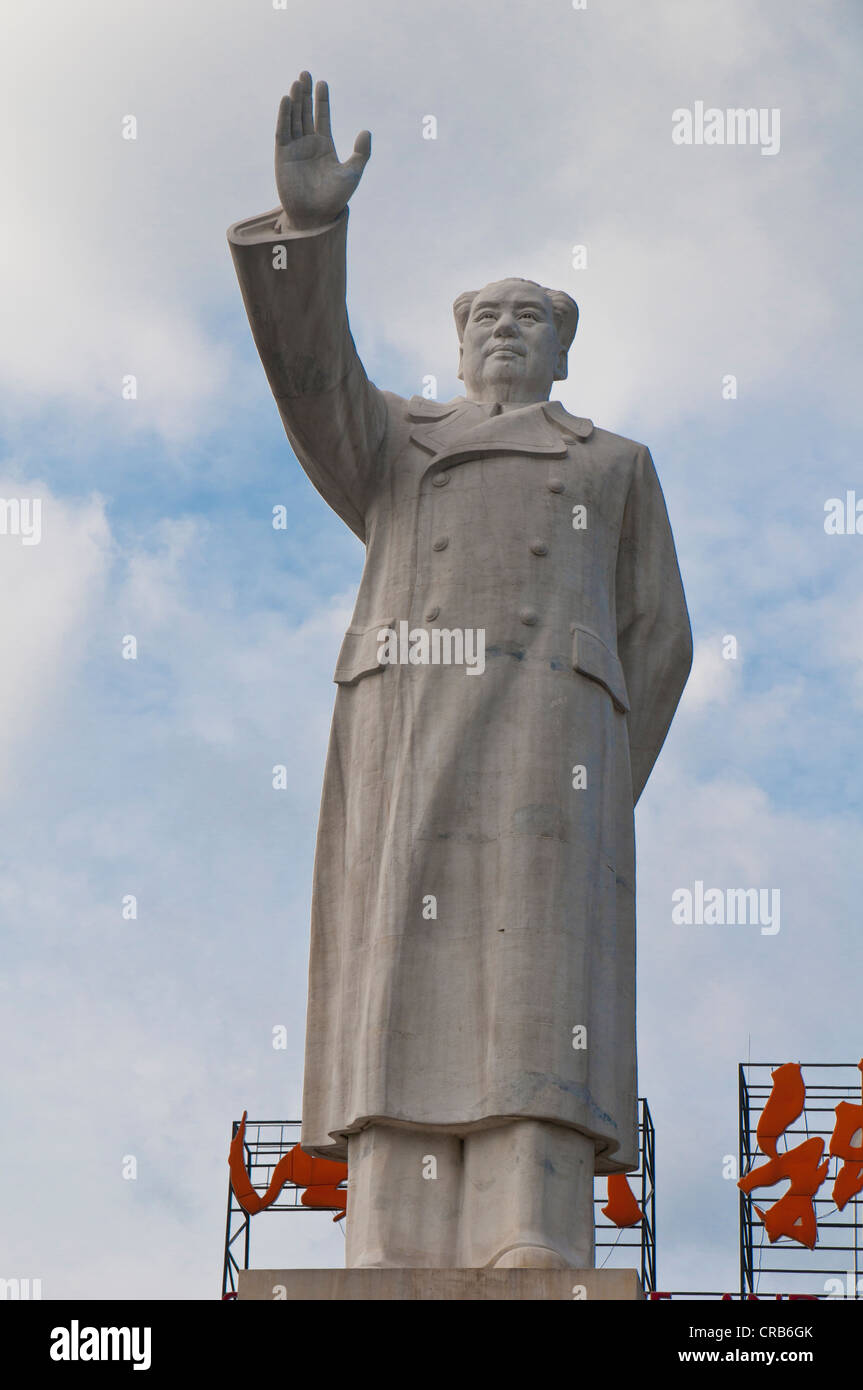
[(560, 366), (460, 372)]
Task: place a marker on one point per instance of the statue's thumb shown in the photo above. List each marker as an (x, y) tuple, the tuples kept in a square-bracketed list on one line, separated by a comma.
[(362, 149)]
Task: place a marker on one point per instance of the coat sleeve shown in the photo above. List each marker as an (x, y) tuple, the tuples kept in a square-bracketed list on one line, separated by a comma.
[(654, 637), (293, 286)]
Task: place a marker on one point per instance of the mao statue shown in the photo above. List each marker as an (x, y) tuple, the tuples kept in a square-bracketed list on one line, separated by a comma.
[(471, 1046)]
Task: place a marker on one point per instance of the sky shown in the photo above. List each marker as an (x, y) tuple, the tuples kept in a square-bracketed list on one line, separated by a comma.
[(145, 1038)]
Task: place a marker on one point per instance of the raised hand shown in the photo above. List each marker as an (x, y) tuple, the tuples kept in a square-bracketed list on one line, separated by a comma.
[(313, 186)]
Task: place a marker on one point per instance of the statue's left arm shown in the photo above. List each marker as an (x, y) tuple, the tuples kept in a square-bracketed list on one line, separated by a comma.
[(654, 637)]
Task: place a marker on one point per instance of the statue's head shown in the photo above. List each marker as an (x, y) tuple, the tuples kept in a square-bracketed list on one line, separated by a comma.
[(514, 336)]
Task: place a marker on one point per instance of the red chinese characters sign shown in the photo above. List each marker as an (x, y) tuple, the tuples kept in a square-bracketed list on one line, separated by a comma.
[(320, 1177), (803, 1166)]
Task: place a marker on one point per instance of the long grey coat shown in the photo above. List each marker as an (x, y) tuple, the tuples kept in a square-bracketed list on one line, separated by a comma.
[(456, 790)]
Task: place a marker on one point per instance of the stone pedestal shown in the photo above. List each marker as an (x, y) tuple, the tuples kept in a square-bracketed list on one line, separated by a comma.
[(457, 1285)]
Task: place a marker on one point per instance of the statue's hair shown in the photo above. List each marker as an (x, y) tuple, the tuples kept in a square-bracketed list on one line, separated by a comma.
[(563, 307)]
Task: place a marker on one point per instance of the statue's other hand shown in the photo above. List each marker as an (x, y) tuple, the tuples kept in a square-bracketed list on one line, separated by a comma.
[(313, 186)]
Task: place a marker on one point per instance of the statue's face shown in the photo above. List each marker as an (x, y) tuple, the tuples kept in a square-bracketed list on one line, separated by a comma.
[(510, 348)]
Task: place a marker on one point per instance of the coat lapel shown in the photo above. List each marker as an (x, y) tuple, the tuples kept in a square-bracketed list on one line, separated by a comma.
[(457, 430)]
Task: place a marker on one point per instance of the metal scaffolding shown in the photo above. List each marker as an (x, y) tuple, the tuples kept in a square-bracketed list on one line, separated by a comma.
[(643, 1183), (266, 1141), (838, 1255)]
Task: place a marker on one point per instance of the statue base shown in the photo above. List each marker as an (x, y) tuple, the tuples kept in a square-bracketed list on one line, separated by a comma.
[(456, 1285)]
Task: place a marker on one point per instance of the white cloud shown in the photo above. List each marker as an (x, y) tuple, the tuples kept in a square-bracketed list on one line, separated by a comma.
[(712, 678), (49, 589)]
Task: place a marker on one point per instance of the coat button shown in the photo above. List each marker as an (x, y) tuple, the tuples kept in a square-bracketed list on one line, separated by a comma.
[(539, 547), (432, 614), (555, 485), (529, 616), (441, 543), (440, 479)]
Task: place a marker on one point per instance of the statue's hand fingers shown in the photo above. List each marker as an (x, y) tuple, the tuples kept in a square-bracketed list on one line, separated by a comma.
[(322, 110), (362, 150), (283, 122), (306, 110), (296, 110)]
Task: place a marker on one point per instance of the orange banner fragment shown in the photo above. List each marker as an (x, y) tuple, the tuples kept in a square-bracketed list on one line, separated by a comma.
[(622, 1208), (320, 1176), (793, 1215), (847, 1142)]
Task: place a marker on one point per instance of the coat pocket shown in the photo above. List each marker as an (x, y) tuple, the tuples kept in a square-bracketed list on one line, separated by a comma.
[(592, 658), (359, 653)]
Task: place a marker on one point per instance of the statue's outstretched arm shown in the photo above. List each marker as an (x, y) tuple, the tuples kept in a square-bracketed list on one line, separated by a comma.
[(290, 263)]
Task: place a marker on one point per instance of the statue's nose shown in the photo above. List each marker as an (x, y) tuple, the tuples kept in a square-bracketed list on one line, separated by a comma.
[(505, 326)]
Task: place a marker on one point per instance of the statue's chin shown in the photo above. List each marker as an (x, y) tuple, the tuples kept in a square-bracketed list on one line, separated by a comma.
[(504, 382), (504, 369), (498, 383)]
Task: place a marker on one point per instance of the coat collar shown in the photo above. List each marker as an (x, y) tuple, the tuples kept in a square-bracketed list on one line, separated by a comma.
[(453, 430)]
